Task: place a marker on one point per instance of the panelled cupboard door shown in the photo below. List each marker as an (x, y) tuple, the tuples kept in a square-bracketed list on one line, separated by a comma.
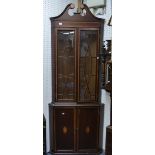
[(64, 127), (88, 126)]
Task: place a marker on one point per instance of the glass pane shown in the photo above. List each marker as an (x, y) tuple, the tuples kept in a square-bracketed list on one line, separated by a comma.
[(88, 64), (66, 65)]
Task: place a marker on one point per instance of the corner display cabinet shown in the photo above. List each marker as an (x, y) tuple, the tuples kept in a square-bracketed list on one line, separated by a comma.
[(76, 113)]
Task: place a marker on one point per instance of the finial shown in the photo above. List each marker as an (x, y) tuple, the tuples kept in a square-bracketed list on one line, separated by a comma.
[(79, 6)]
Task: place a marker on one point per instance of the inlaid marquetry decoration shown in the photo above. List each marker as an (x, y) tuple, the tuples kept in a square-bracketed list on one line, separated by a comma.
[(87, 130), (64, 130)]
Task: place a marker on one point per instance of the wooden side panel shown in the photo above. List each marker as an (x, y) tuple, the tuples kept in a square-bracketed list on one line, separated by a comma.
[(109, 140), (64, 127), (88, 126)]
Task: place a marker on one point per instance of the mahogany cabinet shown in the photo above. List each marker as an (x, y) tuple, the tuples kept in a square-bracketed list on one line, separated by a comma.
[(75, 111)]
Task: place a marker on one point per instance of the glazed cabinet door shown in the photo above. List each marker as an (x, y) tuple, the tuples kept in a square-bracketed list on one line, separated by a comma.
[(88, 65), (64, 127), (65, 65), (88, 129)]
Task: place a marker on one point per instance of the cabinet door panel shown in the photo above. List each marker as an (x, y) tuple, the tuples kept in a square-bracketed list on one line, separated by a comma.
[(65, 65), (88, 122), (88, 65), (64, 129)]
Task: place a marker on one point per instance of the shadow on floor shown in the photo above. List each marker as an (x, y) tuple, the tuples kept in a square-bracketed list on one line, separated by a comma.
[(80, 154)]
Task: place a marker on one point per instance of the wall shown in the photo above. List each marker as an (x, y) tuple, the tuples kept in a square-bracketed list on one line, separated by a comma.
[(53, 8)]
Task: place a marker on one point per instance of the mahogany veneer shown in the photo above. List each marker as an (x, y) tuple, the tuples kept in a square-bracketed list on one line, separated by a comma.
[(76, 114)]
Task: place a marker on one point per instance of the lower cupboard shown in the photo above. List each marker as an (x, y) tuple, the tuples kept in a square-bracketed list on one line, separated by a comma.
[(75, 129)]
